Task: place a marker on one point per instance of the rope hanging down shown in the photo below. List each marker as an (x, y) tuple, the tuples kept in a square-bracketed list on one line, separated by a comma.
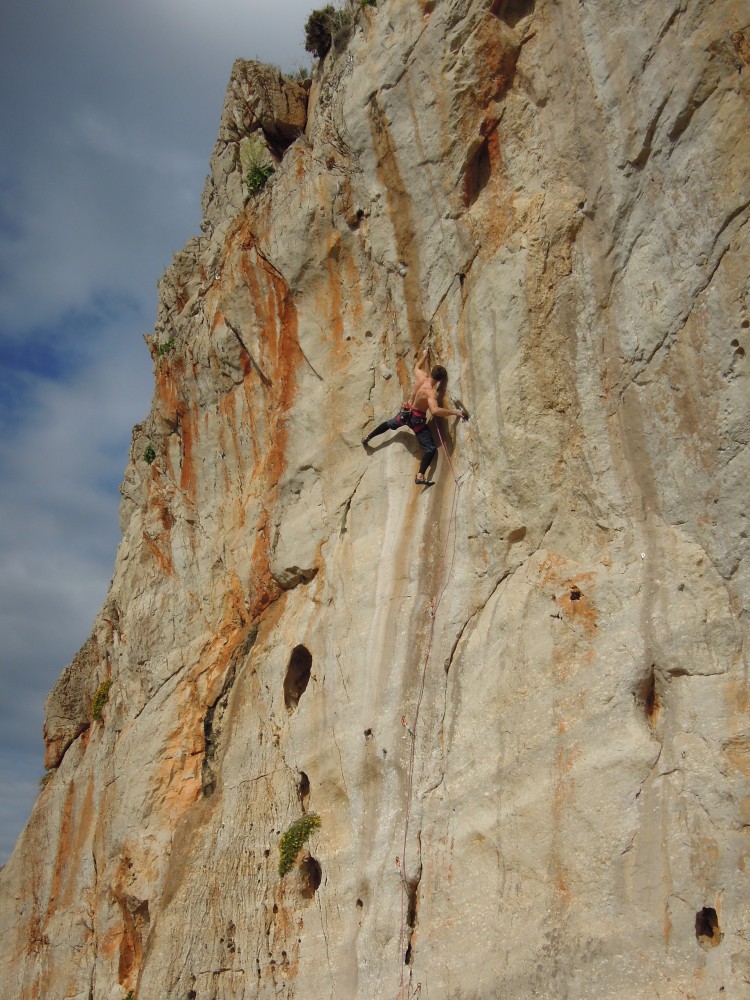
[(412, 730)]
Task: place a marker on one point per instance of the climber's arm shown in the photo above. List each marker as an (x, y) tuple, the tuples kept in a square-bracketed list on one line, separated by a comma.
[(442, 411), (419, 370)]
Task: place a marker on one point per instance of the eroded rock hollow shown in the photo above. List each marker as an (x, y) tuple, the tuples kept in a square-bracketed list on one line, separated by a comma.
[(517, 701)]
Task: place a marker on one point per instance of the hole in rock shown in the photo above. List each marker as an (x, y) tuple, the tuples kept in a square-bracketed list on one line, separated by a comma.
[(360, 904), (411, 909), (212, 731), (734, 343), (512, 11), (478, 173), (303, 790), (368, 734), (651, 703), (275, 907), (575, 593), (297, 676), (407, 956), (740, 352), (311, 875), (745, 324), (191, 995), (707, 929), (648, 697)]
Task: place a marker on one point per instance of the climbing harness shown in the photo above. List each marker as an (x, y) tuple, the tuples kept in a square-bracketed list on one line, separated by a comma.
[(442, 583), (410, 416)]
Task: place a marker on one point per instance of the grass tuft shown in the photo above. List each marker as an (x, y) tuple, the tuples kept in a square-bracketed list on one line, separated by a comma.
[(291, 842), (99, 700)]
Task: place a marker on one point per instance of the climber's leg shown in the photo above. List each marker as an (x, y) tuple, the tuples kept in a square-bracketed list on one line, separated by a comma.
[(427, 444), (388, 425)]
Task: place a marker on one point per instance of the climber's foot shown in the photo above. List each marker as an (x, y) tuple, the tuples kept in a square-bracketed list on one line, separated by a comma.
[(366, 443), (421, 481)]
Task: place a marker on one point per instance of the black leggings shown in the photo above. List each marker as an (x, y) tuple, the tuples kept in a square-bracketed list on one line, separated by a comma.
[(424, 436), (380, 429)]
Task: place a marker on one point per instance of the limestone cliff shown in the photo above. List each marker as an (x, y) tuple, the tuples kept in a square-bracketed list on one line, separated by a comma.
[(518, 701)]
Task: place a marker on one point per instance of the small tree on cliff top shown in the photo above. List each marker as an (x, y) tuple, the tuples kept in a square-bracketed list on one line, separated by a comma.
[(326, 27), (318, 31)]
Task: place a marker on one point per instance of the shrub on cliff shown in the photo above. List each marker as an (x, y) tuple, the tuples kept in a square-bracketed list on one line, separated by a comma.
[(257, 175), (165, 348), (255, 163), (292, 841), (326, 27), (100, 699)]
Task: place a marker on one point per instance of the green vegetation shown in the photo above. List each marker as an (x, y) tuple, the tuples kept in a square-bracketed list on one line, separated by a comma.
[(149, 454), (46, 778), (326, 27), (165, 348), (100, 699), (292, 841), (257, 175), (299, 74), (255, 162)]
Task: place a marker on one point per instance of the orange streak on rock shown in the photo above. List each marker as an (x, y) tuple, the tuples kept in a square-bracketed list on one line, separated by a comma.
[(63, 848), (164, 559), (353, 284), (188, 423), (276, 318)]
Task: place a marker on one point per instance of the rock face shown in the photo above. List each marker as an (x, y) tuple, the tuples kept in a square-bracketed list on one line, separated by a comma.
[(517, 701)]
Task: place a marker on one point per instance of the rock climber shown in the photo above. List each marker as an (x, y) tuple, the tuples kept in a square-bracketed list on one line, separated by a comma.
[(413, 413)]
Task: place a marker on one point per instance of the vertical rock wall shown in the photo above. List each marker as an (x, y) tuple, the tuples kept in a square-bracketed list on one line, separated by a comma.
[(518, 701)]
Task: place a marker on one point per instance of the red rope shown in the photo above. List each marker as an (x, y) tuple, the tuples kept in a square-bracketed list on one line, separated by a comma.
[(434, 604)]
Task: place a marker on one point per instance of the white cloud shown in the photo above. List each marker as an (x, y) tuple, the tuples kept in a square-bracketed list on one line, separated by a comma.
[(98, 214), (59, 529), (106, 142)]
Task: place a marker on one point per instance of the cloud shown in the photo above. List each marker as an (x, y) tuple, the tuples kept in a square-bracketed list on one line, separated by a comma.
[(98, 215), (109, 178), (59, 533), (106, 140)]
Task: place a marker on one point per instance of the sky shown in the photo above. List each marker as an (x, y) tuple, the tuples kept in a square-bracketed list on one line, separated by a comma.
[(108, 115)]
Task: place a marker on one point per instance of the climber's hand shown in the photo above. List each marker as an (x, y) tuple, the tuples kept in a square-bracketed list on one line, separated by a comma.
[(461, 412)]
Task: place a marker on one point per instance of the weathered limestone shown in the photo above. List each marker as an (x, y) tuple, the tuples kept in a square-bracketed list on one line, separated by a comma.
[(519, 700)]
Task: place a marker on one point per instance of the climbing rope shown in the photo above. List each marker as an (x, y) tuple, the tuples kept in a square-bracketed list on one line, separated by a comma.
[(442, 579)]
